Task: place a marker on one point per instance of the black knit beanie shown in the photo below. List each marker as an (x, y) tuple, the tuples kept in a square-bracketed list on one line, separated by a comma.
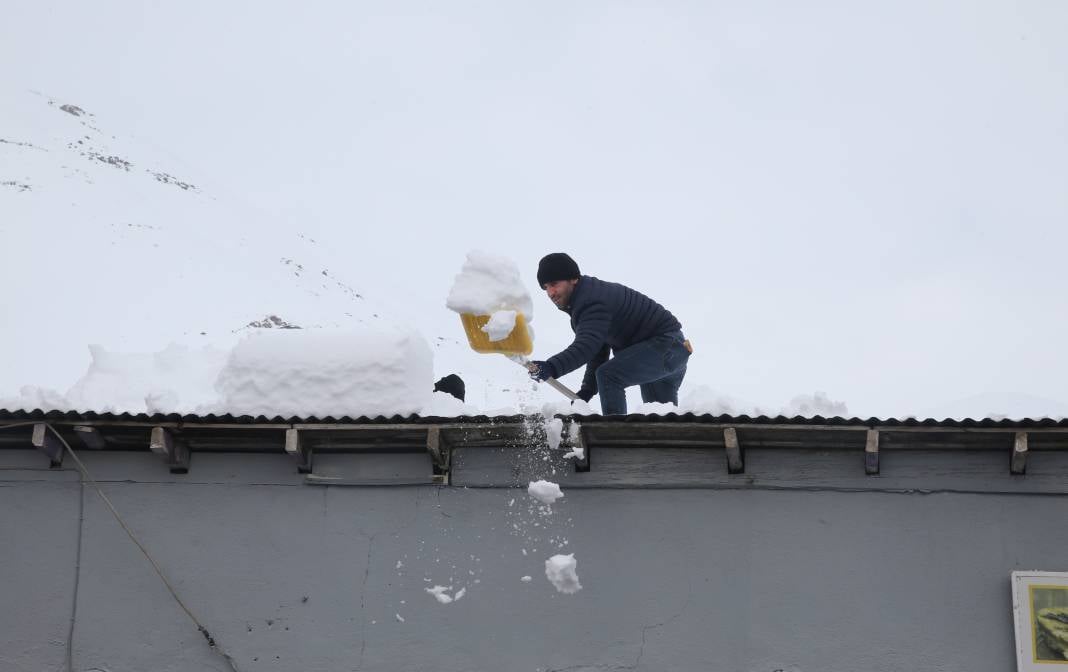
[(556, 266), (451, 384)]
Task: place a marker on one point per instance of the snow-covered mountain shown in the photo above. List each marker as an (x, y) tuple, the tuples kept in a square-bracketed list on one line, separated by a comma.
[(111, 240), (110, 230), (117, 242)]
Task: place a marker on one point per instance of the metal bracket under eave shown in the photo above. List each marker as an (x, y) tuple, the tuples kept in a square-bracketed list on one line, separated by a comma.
[(871, 453), (735, 457), (173, 450), (298, 451), (46, 442), (1018, 460)]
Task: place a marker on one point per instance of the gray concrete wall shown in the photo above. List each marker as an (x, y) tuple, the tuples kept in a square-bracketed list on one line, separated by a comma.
[(289, 576)]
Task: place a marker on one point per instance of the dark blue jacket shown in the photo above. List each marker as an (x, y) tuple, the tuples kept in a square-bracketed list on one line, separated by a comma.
[(607, 315)]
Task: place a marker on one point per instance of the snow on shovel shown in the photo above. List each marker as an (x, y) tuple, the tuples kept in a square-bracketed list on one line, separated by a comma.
[(494, 306)]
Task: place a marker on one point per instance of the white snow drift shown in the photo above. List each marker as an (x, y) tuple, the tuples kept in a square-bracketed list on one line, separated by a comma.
[(373, 369), (306, 372)]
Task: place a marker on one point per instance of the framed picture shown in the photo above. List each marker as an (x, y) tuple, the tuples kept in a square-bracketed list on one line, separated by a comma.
[(1040, 610)]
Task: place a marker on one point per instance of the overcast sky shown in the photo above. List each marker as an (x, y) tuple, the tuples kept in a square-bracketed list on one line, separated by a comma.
[(867, 199)]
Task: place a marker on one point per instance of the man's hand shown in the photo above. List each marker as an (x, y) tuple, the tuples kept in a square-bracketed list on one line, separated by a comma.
[(540, 371)]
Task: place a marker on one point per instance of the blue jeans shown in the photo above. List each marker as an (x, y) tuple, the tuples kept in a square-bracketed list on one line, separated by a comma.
[(658, 364)]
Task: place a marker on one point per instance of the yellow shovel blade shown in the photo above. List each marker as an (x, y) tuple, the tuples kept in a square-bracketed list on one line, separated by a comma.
[(516, 343)]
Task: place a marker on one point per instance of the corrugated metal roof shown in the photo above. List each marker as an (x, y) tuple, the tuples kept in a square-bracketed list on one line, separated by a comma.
[(211, 418), (91, 416), (984, 423)]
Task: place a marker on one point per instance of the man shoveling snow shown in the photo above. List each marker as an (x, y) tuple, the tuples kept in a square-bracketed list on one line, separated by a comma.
[(645, 338)]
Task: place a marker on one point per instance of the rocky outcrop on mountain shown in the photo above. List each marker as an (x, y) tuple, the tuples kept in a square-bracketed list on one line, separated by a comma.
[(271, 322)]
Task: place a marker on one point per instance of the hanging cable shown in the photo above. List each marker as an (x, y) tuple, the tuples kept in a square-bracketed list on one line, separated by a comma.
[(77, 574), (155, 566)]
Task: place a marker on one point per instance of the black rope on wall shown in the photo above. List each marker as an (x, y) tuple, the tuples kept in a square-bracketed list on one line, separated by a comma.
[(85, 476)]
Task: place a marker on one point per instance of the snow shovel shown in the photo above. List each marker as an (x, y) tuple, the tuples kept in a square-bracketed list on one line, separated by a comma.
[(516, 346)]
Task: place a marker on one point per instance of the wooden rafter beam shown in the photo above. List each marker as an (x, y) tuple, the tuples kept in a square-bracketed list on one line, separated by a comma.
[(576, 437), (871, 453), (1018, 461), (172, 449), (46, 442), (735, 459), (296, 448), (438, 448), (90, 436)]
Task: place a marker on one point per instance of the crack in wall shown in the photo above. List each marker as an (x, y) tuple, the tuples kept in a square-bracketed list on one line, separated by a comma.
[(641, 650), (600, 666), (415, 511), (363, 596), (419, 493), (681, 611), (647, 628)]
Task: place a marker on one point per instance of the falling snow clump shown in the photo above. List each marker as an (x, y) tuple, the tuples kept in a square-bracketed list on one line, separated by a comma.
[(441, 594), (545, 492), (560, 570)]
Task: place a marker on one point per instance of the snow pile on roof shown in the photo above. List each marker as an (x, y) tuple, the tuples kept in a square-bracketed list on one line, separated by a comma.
[(701, 400), (817, 403), (488, 283), (369, 370), (178, 379), (560, 570), (999, 406), (317, 372), (31, 397), (444, 405)]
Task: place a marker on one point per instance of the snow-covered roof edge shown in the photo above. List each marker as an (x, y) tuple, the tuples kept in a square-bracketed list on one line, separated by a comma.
[(872, 422)]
